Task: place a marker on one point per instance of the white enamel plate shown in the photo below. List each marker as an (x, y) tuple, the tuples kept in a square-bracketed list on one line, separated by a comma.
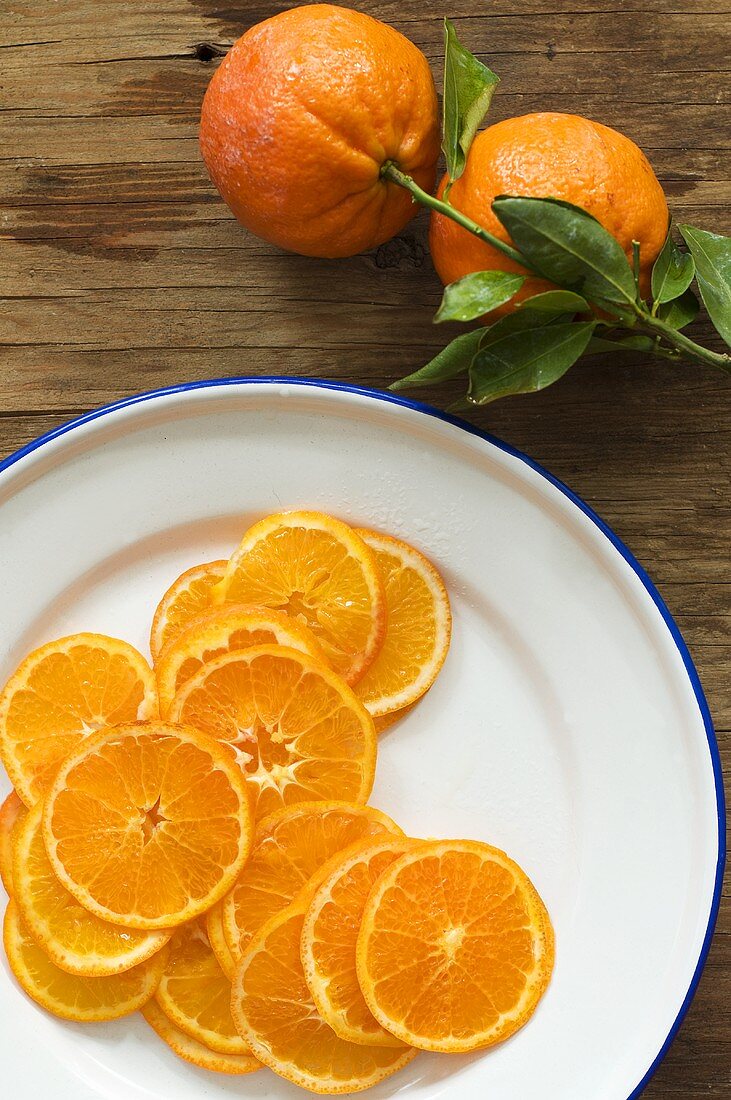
[(567, 727)]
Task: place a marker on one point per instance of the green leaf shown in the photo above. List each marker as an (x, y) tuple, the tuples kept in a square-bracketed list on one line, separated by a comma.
[(451, 361), (523, 362), (568, 246), (522, 320), (673, 272), (557, 301), (477, 294), (681, 311), (598, 344), (468, 89), (712, 255), (461, 405)]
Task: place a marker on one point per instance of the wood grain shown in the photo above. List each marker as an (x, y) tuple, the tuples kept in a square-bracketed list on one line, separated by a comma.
[(121, 270)]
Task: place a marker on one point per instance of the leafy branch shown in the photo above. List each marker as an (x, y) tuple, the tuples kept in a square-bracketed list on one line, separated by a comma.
[(597, 306)]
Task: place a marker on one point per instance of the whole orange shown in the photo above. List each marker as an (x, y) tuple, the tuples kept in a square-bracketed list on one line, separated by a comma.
[(554, 156), (301, 116)]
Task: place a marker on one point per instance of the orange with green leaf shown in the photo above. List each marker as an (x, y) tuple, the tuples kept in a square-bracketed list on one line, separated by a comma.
[(551, 228)]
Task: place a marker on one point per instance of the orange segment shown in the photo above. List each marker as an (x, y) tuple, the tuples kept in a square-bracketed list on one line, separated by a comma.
[(219, 631), (273, 1010), (186, 598), (11, 811), (74, 939), (289, 848), (320, 572), (147, 825), (455, 948), (296, 728), (191, 1050), (69, 996), (418, 631), (330, 935), (195, 993), (60, 694), (217, 939)]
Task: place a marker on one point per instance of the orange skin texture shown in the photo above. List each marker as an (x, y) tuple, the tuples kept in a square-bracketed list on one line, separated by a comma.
[(555, 156), (299, 119)]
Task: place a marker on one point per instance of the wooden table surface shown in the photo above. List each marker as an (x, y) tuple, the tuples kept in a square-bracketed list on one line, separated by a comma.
[(122, 271)]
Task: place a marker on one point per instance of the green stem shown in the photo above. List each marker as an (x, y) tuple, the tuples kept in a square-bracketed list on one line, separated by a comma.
[(684, 344), (636, 269), (389, 171)]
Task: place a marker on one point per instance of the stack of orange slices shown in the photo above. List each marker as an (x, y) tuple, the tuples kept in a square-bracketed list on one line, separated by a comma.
[(192, 839)]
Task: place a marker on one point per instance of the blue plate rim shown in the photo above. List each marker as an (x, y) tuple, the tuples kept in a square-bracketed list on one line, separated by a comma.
[(626, 553)]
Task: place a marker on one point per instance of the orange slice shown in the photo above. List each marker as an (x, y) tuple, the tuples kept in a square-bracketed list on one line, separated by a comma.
[(60, 694), (196, 994), (455, 948), (330, 935), (274, 1011), (219, 631), (383, 722), (418, 632), (11, 811), (74, 939), (147, 825), (191, 1050), (186, 598), (217, 939), (296, 728), (320, 572), (69, 996), (289, 847)]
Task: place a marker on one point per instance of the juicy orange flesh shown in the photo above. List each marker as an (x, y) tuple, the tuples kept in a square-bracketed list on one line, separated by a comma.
[(109, 843), (187, 598), (221, 630), (193, 1051), (69, 695), (69, 995), (52, 913), (310, 575), (453, 940), (294, 734), (283, 861), (280, 1012), (12, 811), (335, 934), (238, 639), (196, 994), (410, 634)]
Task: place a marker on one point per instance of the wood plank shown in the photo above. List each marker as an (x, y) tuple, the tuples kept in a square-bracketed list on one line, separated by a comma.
[(141, 31), (174, 88), (126, 180)]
